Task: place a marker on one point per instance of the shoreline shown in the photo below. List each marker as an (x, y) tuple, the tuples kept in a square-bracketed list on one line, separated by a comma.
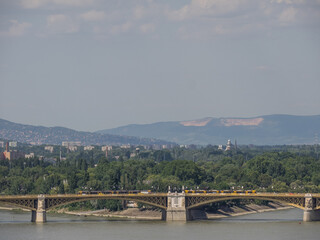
[(218, 216)]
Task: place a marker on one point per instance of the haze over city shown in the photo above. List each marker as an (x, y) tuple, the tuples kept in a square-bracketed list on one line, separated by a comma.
[(93, 64)]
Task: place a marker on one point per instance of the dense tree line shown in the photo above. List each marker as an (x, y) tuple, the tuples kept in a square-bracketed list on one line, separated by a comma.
[(273, 170)]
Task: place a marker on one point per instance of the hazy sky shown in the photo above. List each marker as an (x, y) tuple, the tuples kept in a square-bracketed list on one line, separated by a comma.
[(97, 64)]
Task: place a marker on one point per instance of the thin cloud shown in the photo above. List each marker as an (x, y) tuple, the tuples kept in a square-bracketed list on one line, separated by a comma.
[(16, 29), (205, 8), (262, 68), (121, 28), (288, 15), (194, 19), (42, 3), (60, 23), (93, 16), (145, 28)]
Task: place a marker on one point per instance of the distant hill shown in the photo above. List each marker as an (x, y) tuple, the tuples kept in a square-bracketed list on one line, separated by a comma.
[(263, 130), (56, 135)]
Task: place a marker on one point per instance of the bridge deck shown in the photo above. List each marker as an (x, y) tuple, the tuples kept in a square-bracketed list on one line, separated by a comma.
[(262, 194), (157, 194)]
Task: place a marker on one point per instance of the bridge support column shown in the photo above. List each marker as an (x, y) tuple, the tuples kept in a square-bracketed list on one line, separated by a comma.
[(309, 213), (176, 210), (41, 215)]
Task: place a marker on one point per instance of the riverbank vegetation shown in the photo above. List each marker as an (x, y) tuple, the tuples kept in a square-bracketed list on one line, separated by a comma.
[(277, 169)]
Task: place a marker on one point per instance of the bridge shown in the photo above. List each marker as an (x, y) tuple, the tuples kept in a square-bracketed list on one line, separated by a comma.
[(174, 206)]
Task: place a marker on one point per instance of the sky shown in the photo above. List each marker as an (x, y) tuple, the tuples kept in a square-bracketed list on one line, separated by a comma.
[(95, 64)]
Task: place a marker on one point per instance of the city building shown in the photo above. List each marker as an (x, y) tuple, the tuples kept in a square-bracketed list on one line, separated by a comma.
[(229, 145), (105, 148), (156, 147), (67, 144), (30, 155), (127, 146), (72, 148), (88, 148), (10, 155), (137, 150), (13, 144), (49, 148)]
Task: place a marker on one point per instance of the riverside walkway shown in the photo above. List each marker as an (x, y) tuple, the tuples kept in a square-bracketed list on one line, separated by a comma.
[(175, 206)]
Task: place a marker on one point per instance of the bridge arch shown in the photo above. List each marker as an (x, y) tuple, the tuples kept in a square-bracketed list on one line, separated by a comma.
[(195, 203), (159, 202), (29, 203), (20, 206)]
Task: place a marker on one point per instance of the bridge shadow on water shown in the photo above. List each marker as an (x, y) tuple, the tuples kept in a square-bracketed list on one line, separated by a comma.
[(285, 215)]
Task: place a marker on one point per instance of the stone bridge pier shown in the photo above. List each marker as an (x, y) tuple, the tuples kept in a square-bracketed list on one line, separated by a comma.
[(310, 213), (39, 215), (176, 208)]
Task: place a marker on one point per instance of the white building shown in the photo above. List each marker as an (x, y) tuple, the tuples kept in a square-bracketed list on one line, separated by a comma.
[(88, 148), (49, 148), (229, 145), (73, 148), (67, 144), (13, 144), (105, 148), (30, 155), (125, 146)]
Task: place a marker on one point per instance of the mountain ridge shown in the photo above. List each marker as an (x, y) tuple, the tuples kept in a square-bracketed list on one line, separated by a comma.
[(261, 130), (56, 135)]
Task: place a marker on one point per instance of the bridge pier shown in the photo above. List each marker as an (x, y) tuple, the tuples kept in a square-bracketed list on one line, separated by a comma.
[(40, 215), (176, 210), (310, 214)]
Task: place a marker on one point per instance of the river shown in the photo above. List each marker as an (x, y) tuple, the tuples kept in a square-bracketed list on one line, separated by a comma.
[(284, 224)]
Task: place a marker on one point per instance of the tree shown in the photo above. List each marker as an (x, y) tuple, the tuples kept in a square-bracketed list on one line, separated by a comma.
[(61, 188)]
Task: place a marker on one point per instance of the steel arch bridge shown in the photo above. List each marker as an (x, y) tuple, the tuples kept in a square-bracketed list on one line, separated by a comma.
[(175, 206)]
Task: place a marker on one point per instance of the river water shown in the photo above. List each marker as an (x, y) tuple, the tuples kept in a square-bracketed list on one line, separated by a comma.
[(284, 224)]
